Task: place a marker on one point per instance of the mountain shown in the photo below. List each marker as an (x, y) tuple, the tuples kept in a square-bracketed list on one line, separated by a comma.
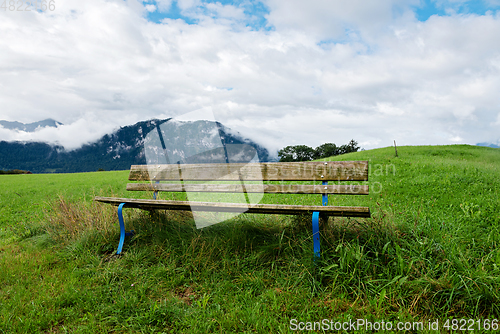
[(116, 151), (30, 127), (488, 145)]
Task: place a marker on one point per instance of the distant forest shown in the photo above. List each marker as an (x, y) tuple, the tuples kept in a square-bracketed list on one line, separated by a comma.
[(306, 153), (14, 171)]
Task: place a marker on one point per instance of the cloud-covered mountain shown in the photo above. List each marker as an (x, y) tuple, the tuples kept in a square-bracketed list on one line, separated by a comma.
[(488, 145), (30, 127), (116, 151)]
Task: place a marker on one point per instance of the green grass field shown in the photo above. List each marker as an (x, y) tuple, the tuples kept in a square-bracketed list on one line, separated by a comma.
[(430, 252)]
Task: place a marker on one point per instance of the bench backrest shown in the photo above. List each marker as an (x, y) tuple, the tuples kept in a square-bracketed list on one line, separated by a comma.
[(337, 171)]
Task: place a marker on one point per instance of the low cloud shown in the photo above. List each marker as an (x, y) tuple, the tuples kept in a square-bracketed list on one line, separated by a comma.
[(71, 136)]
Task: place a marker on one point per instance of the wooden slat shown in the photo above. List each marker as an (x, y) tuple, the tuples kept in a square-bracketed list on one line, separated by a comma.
[(252, 188), (339, 211), (266, 171)]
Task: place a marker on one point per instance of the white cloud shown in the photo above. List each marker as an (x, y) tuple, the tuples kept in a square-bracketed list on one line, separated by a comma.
[(327, 72), (71, 136), (333, 19), (150, 8), (164, 5)]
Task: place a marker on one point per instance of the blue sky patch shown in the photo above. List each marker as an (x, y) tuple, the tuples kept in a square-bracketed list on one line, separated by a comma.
[(429, 8), (255, 12), (173, 13)]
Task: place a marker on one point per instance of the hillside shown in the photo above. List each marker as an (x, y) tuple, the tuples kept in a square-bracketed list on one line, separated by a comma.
[(116, 151), (430, 251)]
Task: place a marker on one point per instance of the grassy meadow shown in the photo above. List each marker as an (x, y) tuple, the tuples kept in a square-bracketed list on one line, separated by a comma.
[(430, 252)]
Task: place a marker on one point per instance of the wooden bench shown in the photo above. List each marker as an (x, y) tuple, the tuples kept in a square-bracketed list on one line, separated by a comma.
[(179, 179)]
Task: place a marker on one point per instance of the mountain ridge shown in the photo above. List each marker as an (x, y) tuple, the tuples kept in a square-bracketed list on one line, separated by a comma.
[(30, 127), (116, 151), (488, 145)]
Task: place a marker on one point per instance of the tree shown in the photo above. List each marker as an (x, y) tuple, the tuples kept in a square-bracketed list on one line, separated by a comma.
[(286, 154), (296, 153), (306, 153), (325, 150), (352, 146)]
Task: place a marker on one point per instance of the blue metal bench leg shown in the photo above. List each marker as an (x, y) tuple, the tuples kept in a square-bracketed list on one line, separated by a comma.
[(315, 226), (123, 234)]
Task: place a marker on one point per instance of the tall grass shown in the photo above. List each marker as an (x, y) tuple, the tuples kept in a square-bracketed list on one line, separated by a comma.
[(69, 221)]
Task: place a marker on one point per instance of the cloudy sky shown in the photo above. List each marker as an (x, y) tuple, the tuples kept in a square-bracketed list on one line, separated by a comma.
[(282, 72)]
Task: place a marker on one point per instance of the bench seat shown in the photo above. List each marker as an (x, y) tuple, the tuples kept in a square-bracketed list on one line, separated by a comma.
[(152, 204)]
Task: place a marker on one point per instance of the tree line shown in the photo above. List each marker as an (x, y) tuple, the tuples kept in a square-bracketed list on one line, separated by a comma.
[(15, 171), (306, 153)]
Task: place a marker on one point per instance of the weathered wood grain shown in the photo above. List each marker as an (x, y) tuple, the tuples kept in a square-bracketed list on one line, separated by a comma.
[(252, 188), (267, 171), (148, 204)]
